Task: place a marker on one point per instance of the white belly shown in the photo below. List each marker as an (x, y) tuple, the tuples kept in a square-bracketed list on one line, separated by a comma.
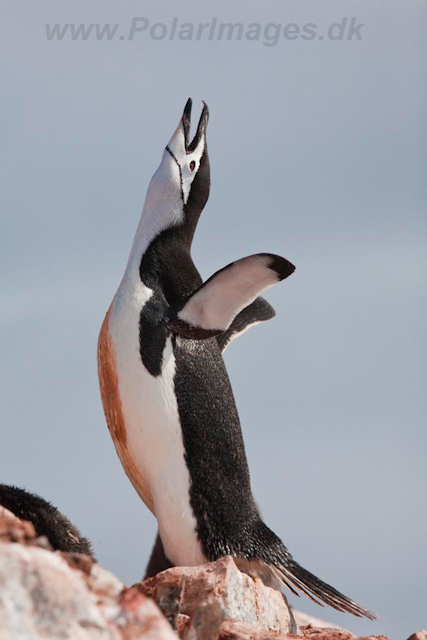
[(153, 430)]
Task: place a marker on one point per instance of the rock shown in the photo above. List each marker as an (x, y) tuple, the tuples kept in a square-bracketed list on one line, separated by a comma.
[(205, 623), (240, 596), (325, 633), (168, 599), (12, 529), (233, 630), (47, 595), (43, 597), (332, 633), (420, 635), (304, 620)]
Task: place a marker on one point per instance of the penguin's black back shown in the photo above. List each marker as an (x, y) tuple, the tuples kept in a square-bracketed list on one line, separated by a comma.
[(47, 520)]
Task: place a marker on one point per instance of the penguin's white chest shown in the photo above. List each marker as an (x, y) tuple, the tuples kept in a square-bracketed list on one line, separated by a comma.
[(151, 448)]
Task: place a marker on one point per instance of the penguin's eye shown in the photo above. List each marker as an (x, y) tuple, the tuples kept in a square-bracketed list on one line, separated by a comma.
[(192, 165)]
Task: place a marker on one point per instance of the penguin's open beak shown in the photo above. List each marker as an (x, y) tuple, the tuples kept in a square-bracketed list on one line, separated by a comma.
[(180, 143), (201, 129)]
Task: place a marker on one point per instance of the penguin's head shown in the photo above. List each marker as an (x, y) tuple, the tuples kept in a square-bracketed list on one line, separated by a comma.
[(190, 158), (179, 189)]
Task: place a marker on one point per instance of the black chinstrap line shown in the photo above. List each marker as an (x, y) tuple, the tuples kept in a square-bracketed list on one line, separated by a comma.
[(180, 172)]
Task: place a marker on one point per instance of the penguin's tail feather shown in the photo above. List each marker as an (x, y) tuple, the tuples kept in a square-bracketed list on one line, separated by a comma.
[(296, 578)]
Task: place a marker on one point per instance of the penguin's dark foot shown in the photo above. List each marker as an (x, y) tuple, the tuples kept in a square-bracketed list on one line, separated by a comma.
[(158, 561), (47, 520)]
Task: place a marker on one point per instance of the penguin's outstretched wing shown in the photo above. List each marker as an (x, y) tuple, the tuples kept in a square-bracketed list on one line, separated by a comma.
[(258, 311), (211, 309)]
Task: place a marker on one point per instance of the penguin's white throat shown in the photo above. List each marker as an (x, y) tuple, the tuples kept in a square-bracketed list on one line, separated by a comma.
[(163, 209)]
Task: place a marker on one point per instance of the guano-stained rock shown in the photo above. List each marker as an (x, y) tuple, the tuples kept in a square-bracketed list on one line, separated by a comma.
[(241, 597), (47, 595)]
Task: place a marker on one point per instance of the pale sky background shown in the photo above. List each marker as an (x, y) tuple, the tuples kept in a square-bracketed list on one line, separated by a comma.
[(318, 153)]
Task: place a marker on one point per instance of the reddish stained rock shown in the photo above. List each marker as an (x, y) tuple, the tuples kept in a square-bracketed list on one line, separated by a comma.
[(325, 633), (420, 635), (333, 634), (205, 623), (42, 597), (12, 529), (234, 630), (304, 620), (79, 561), (47, 595), (240, 596)]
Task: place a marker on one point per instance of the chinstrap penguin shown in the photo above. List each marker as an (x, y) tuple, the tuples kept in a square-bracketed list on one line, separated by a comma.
[(165, 390), (47, 520)]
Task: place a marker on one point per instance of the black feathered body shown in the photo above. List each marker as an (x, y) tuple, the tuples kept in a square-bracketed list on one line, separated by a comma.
[(47, 520)]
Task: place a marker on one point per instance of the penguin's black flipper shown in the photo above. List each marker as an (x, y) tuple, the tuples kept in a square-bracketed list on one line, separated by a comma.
[(47, 520), (211, 309), (258, 311)]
